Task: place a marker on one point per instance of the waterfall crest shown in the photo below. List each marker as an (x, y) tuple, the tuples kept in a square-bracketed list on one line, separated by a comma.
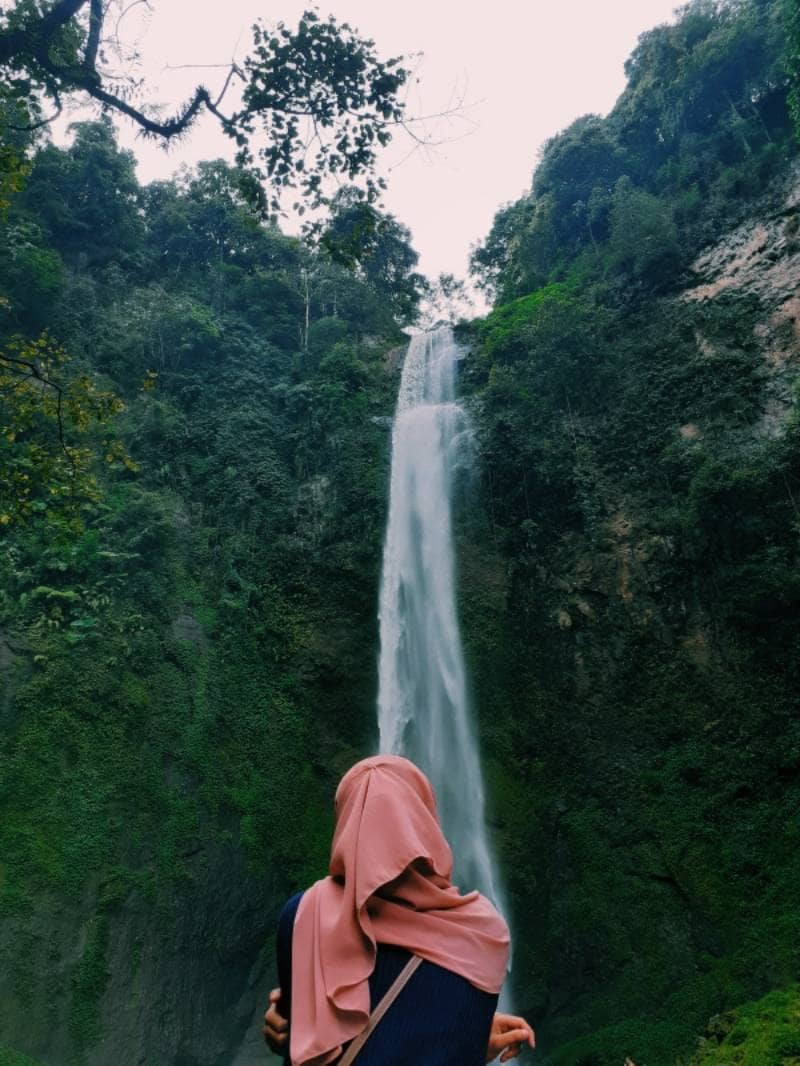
[(423, 706)]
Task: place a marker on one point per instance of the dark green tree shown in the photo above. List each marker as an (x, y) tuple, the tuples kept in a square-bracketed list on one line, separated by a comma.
[(643, 235), (378, 248), (583, 157), (14, 144), (495, 264), (206, 218), (87, 196)]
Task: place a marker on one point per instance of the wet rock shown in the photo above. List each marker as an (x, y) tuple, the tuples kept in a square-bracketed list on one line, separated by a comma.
[(7, 655), (183, 982), (761, 258), (187, 628)]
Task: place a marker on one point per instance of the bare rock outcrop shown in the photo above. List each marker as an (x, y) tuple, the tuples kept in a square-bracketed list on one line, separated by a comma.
[(761, 258)]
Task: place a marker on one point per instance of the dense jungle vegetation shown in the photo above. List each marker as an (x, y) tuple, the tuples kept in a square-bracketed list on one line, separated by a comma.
[(644, 511), (193, 488)]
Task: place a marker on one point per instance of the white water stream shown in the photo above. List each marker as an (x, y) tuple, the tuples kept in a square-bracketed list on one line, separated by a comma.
[(423, 706)]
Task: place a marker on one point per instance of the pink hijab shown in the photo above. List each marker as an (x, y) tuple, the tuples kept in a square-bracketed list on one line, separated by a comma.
[(389, 883)]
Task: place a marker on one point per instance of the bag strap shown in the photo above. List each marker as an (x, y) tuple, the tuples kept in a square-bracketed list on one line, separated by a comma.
[(394, 991)]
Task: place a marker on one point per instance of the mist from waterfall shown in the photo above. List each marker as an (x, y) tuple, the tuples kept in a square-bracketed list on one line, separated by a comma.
[(423, 706)]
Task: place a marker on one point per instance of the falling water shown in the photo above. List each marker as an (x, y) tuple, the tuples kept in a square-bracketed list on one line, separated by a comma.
[(423, 709)]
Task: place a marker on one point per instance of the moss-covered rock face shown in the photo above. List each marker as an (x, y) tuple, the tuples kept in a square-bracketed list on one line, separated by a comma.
[(160, 800), (764, 1033), (629, 596), (186, 672), (631, 571), (13, 1058)]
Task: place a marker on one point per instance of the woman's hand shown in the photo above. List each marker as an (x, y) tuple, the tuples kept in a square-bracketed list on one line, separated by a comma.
[(276, 1028), (508, 1032), (507, 1036)]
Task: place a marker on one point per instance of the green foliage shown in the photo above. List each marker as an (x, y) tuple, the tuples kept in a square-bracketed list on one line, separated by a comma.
[(764, 1033), (633, 576), (86, 198), (578, 170), (792, 21), (178, 652), (327, 73), (701, 125), (379, 247), (504, 330), (32, 274), (633, 1040), (91, 977), (44, 407), (56, 418), (198, 232), (13, 1058), (555, 343), (13, 167), (496, 264), (317, 102), (643, 238)]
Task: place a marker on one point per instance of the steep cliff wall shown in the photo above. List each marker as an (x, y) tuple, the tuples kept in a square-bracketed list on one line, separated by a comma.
[(630, 601)]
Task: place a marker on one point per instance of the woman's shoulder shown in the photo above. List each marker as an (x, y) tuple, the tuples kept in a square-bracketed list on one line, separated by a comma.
[(286, 925), (289, 910), (430, 980)]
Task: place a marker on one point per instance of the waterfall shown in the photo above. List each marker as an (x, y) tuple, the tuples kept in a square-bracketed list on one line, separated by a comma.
[(423, 706)]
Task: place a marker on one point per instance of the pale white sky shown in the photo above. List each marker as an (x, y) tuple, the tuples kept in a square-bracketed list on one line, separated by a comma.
[(524, 69)]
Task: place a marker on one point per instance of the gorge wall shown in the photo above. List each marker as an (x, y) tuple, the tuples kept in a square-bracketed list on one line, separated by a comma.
[(630, 599)]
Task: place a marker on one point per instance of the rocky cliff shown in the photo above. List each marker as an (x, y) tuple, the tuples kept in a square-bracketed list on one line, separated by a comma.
[(630, 602)]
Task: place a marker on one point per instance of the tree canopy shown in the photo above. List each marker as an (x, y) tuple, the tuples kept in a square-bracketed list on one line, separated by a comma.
[(315, 101), (378, 247), (308, 103), (702, 122)]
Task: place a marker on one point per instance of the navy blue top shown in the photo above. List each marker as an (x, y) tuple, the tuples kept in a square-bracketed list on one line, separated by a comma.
[(439, 1018)]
